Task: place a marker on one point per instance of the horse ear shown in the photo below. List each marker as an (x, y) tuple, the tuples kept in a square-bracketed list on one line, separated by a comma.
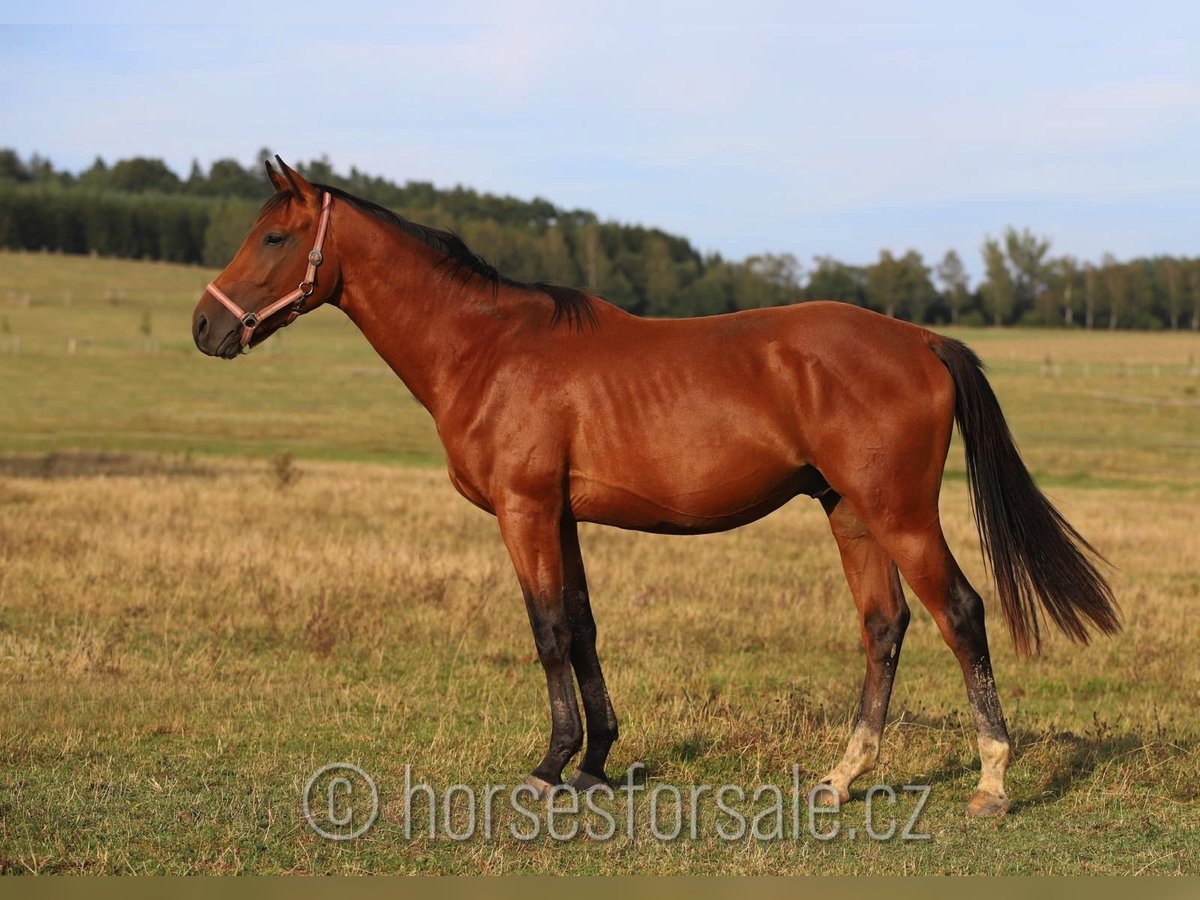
[(296, 182), (277, 181)]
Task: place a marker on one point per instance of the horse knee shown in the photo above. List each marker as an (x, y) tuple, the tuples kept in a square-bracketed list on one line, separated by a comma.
[(552, 637), (583, 629)]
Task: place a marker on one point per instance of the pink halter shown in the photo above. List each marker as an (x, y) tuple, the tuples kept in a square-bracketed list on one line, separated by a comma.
[(252, 320)]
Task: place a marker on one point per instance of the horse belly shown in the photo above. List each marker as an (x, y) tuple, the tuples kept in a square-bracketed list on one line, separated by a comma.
[(694, 500)]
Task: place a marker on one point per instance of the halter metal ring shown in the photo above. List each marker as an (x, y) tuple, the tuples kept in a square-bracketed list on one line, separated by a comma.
[(250, 320), (305, 288), (315, 258)]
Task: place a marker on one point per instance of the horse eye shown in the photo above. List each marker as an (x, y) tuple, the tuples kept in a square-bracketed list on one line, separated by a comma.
[(272, 240)]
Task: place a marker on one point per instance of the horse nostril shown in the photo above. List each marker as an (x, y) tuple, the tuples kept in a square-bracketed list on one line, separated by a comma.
[(201, 324)]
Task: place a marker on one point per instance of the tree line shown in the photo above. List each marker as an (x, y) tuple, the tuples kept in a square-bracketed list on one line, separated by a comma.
[(140, 208)]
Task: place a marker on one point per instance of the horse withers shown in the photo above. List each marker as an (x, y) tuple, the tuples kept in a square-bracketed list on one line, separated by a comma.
[(556, 408)]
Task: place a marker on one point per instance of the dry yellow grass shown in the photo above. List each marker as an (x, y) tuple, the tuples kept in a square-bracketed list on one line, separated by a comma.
[(180, 651)]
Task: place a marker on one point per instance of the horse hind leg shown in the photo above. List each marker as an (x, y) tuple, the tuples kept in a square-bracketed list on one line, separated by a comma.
[(931, 570), (883, 619)]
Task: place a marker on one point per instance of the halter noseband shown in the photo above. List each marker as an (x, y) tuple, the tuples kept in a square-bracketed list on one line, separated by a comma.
[(252, 320)]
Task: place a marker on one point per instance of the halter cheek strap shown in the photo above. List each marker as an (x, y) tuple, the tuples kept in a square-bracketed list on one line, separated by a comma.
[(296, 299)]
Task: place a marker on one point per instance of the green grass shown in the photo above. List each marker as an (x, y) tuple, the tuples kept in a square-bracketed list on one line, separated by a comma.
[(185, 639), (1123, 409), (318, 391)]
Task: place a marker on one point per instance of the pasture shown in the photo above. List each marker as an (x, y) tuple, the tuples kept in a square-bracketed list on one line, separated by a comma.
[(191, 623)]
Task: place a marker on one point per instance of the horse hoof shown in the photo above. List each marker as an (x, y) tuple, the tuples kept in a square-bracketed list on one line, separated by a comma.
[(582, 781), (823, 794), (542, 788), (986, 805)]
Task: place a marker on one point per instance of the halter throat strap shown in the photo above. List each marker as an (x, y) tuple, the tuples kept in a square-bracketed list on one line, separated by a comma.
[(252, 321)]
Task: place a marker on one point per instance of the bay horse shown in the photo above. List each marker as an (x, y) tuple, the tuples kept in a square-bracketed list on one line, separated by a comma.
[(555, 407)]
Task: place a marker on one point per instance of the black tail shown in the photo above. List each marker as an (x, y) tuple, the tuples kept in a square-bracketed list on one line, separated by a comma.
[(1034, 552)]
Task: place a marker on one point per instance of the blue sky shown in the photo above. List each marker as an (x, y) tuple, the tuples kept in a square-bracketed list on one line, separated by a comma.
[(809, 135)]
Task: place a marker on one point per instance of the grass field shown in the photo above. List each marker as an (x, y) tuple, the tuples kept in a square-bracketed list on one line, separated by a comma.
[(189, 626)]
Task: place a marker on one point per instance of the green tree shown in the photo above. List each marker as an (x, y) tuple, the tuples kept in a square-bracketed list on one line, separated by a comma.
[(952, 276), (661, 279), (780, 270), (765, 279), (831, 279), (998, 290), (141, 174), (138, 208), (916, 290), (1114, 278), (1191, 277), (884, 283), (555, 262), (1027, 265), (592, 258), (1091, 295), (226, 229), (12, 168), (96, 176), (1172, 274), (709, 294), (1064, 284), (227, 178)]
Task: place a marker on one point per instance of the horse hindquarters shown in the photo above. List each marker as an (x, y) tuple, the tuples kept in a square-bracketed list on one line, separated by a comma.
[(889, 477)]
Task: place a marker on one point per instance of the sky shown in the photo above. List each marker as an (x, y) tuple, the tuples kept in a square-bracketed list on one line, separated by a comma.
[(789, 131)]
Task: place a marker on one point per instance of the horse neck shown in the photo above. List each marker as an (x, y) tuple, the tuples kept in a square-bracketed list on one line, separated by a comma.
[(433, 328)]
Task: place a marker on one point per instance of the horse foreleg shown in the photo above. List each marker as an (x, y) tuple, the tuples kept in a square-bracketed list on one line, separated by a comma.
[(597, 707), (533, 537)]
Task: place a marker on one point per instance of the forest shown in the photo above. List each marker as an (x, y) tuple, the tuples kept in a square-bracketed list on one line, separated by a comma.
[(139, 208)]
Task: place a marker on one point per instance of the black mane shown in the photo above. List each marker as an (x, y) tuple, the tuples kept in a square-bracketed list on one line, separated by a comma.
[(570, 304)]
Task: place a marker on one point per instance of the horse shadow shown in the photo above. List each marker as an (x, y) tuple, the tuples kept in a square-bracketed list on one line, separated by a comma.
[(1073, 757), (1068, 758)]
